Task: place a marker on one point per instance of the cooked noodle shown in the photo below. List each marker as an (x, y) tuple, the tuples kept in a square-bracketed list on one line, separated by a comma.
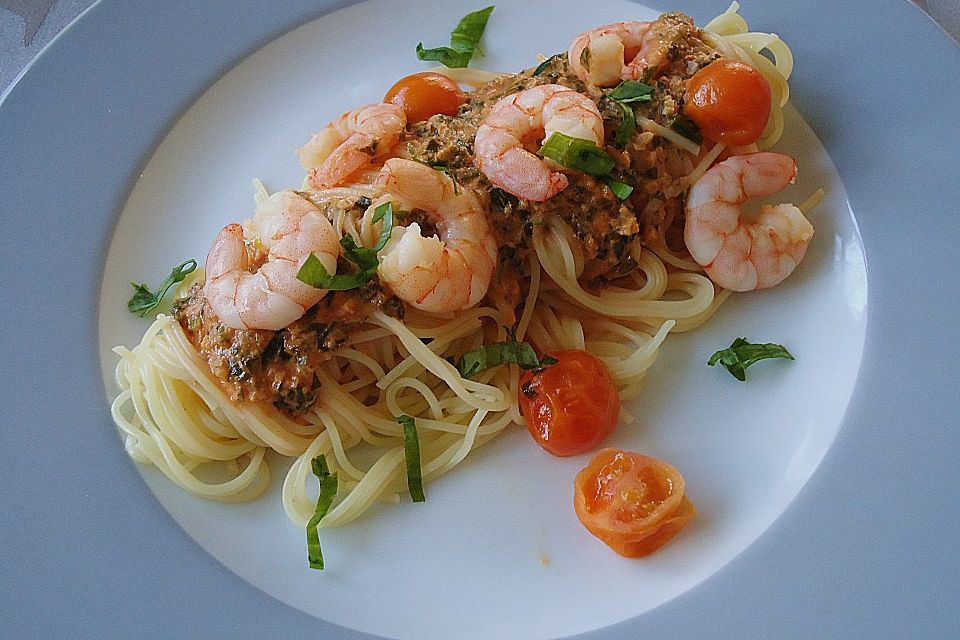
[(176, 416)]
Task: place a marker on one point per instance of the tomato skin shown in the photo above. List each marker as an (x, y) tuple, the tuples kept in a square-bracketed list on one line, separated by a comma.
[(632, 502), (425, 94), (729, 101), (570, 406)]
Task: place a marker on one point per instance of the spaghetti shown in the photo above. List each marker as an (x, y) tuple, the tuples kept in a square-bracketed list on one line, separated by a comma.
[(177, 415)]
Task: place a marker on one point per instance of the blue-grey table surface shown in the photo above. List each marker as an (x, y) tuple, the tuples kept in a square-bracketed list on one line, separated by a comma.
[(26, 26)]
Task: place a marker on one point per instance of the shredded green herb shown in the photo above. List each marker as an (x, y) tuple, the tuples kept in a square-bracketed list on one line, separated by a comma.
[(620, 189), (328, 490), (463, 41), (439, 166), (631, 91), (543, 65), (315, 274), (507, 352), (586, 156), (686, 127), (623, 94), (577, 153), (411, 453), (741, 354), (362, 256), (627, 126), (143, 300)]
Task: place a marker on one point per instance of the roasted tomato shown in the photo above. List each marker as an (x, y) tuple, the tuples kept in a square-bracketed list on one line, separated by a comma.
[(571, 406), (422, 95), (632, 502), (729, 101)]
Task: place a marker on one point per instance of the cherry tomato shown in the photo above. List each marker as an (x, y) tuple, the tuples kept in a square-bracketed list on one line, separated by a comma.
[(422, 95), (632, 502), (571, 406), (729, 101)]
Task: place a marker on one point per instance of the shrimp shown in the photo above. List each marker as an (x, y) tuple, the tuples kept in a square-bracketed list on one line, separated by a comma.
[(444, 274), (528, 118), (291, 228), (740, 254), (351, 142), (604, 56), (600, 56)]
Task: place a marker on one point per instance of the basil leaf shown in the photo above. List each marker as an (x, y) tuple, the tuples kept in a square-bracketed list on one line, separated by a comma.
[(631, 91), (687, 128), (363, 257), (547, 361), (741, 354), (328, 490), (506, 352), (620, 189), (543, 65), (315, 274), (143, 300), (463, 41), (577, 153), (383, 212), (627, 126), (439, 166), (411, 453)]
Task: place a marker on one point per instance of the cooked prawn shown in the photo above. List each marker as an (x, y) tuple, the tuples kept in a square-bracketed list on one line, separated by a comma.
[(291, 228), (528, 118), (351, 142), (444, 274), (737, 253), (604, 56)]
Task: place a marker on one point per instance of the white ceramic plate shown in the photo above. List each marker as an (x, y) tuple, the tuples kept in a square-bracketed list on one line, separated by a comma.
[(496, 551)]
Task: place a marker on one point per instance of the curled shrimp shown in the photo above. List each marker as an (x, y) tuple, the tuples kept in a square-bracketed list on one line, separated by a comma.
[(351, 142), (271, 297), (528, 118), (737, 253), (604, 56), (444, 274)]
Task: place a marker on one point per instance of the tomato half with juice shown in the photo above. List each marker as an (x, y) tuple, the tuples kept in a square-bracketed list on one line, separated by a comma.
[(425, 94), (571, 406), (729, 101), (632, 502)]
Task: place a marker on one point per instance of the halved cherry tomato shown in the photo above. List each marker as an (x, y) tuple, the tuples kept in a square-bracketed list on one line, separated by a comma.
[(729, 101), (422, 95), (632, 502), (571, 406)]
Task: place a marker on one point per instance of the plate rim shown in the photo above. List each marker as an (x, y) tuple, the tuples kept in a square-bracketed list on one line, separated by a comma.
[(812, 508)]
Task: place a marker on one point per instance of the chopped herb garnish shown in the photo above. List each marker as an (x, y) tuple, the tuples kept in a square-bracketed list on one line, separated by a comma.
[(631, 91), (328, 490), (463, 41), (586, 156), (143, 300), (543, 65), (741, 354), (620, 189), (627, 126), (577, 153), (439, 166), (687, 128), (623, 94), (315, 274), (411, 453), (507, 352)]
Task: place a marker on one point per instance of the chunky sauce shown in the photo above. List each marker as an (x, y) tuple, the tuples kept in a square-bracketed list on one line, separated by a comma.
[(279, 366)]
